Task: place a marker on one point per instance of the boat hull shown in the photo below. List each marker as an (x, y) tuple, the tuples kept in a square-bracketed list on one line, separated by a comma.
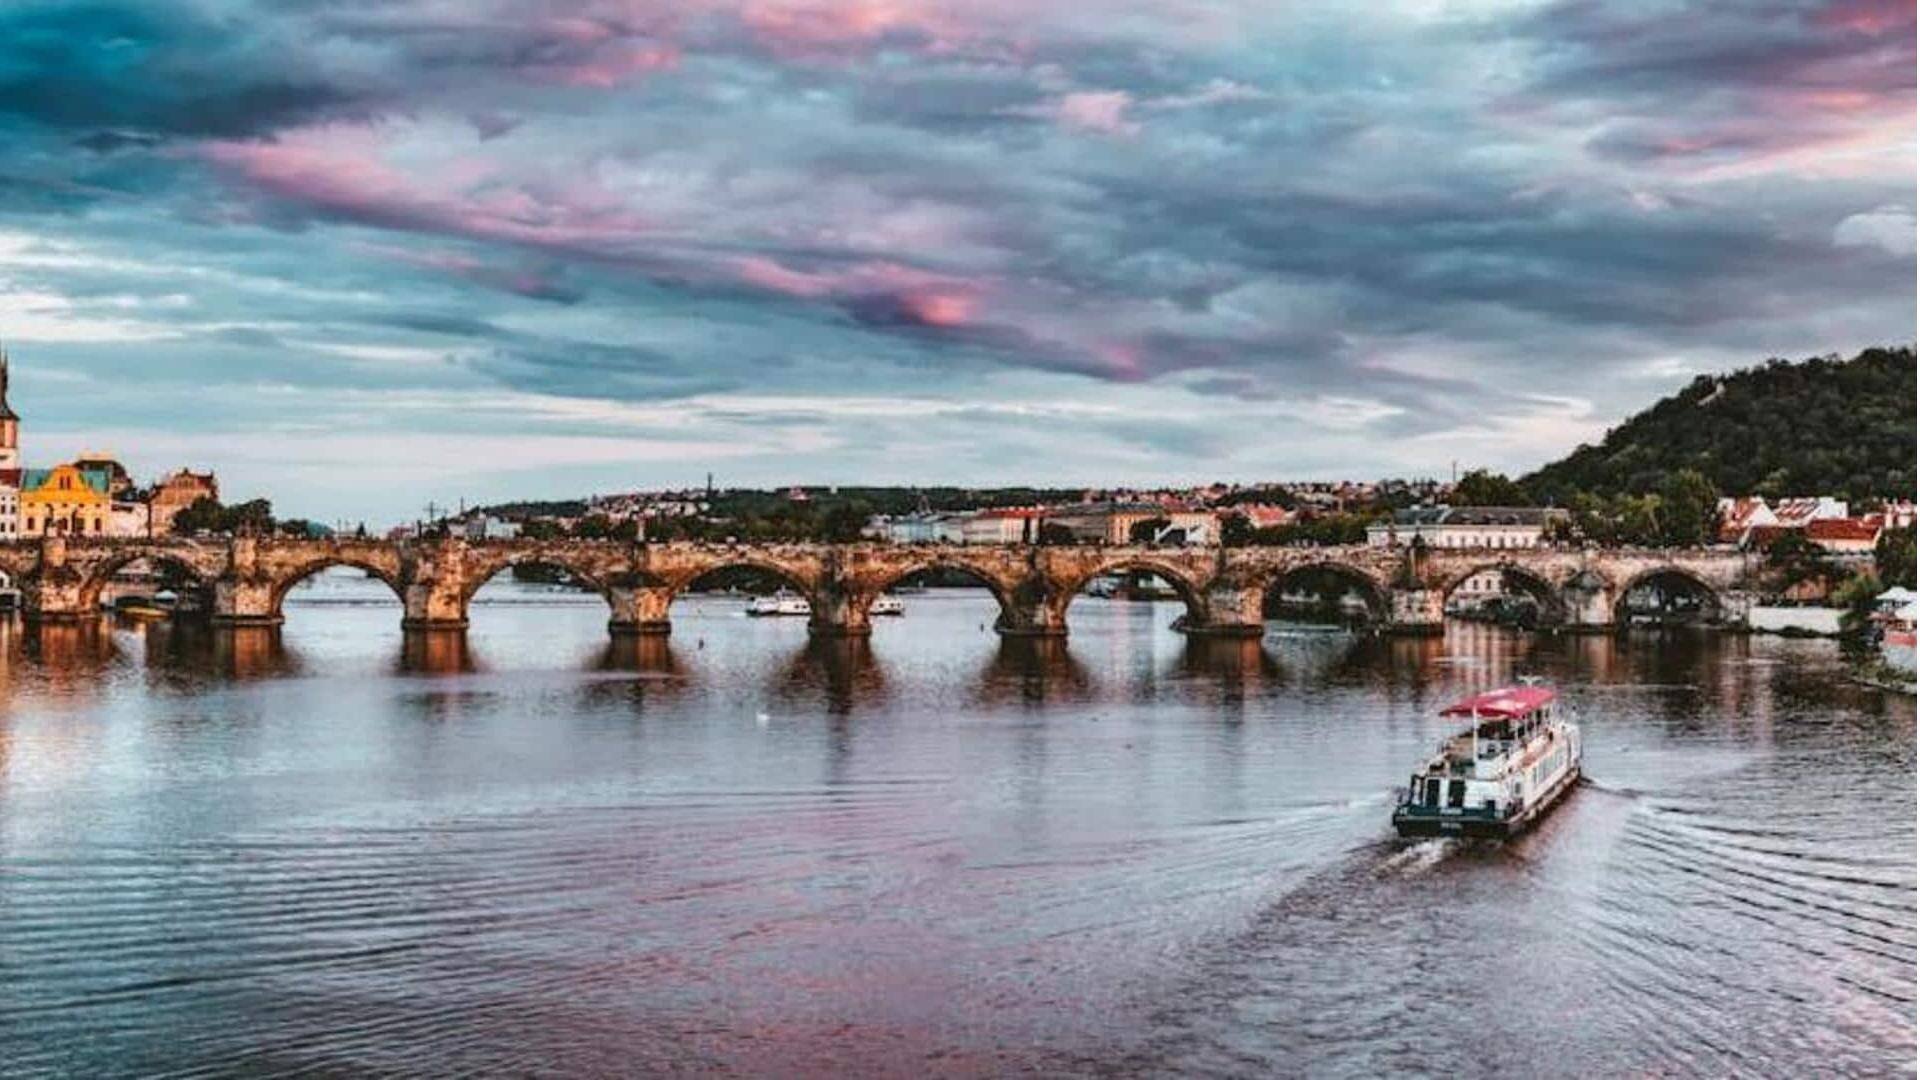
[(1427, 824)]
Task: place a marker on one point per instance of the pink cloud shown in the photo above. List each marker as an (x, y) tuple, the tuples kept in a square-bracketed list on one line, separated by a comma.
[(1867, 16), (817, 28), (1101, 112), (940, 307), (610, 66), (344, 170), (918, 296)]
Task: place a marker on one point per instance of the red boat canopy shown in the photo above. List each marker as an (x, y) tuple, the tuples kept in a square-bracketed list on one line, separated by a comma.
[(1506, 703)]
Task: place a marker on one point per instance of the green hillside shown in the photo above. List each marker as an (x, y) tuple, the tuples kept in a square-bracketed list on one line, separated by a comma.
[(1821, 427)]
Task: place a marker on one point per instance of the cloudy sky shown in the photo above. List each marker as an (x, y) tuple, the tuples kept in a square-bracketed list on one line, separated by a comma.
[(359, 254)]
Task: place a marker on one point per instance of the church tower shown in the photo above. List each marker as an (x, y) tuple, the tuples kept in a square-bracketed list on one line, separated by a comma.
[(9, 422)]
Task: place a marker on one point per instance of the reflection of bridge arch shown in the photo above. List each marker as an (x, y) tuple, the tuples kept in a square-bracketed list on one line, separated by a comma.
[(1191, 593), (1371, 590), (1553, 608)]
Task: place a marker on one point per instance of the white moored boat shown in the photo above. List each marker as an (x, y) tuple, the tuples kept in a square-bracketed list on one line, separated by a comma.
[(1496, 778), (780, 603), (888, 605)]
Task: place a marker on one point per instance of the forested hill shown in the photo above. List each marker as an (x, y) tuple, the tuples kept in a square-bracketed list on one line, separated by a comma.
[(1820, 427)]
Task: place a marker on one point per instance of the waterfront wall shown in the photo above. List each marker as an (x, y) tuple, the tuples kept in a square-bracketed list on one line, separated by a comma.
[(1804, 620)]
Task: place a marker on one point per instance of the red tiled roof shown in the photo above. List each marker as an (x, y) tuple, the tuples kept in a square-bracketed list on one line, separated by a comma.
[(1867, 528), (1796, 511)]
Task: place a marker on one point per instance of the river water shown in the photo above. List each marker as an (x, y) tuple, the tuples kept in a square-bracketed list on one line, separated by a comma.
[(338, 850)]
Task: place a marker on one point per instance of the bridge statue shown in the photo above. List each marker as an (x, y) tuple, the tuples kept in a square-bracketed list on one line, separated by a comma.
[(1224, 589)]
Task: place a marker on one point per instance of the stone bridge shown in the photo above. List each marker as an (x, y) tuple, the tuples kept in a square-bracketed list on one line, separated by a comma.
[(245, 581)]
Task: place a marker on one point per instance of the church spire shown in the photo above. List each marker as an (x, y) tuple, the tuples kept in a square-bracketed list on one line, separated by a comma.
[(6, 408)]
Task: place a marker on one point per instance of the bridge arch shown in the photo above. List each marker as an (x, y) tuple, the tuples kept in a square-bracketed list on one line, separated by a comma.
[(1002, 590), (1192, 593), (1553, 606), (1712, 603), (292, 575), (1375, 593), (604, 576), (99, 572), (800, 583)]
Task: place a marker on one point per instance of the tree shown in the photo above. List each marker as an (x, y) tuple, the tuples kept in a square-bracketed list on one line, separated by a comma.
[(1893, 557), (1143, 532), (1052, 532), (1687, 503), (1235, 530), (844, 522), (252, 516), (1482, 488), (1821, 427), (1856, 595), (203, 515), (207, 515), (1796, 559)]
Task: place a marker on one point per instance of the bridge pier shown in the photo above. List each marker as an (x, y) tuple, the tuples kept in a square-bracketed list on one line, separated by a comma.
[(434, 605), (1036, 609), (1416, 611), (436, 595), (839, 612), (1588, 604), (640, 610), (242, 602), (56, 592), (1232, 611)]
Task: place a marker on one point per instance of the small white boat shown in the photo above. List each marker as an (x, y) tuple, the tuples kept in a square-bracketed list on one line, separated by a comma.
[(1499, 776), (888, 605), (780, 603)]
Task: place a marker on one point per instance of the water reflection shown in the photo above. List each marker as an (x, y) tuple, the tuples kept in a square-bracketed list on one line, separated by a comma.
[(435, 652), (1033, 672), (337, 848), (838, 672), (648, 654)]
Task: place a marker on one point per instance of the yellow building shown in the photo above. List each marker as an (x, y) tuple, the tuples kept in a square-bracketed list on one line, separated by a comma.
[(64, 501)]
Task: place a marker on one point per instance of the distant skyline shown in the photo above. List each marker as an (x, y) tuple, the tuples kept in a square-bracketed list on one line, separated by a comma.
[(356, 256)]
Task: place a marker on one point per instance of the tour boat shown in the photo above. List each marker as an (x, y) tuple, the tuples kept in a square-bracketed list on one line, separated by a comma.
[(888, 605), (780, 603), (1496, 778)]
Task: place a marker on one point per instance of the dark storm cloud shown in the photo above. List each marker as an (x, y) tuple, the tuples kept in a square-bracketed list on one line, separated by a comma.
[(143, 71)]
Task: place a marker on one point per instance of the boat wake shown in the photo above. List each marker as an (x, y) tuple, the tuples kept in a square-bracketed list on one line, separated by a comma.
[(1418, 857), (1588, 783)]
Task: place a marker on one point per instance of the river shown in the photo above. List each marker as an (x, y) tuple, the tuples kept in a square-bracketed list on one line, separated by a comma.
[(338, 850)]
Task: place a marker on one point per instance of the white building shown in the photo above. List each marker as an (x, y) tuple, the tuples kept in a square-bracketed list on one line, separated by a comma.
[(128, 520), (926, 527), (1465, 527), (488, 527), (1013, 526)]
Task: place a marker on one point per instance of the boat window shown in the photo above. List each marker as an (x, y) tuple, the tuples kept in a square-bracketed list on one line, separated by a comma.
[(1433, 791), (1456, 793)]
